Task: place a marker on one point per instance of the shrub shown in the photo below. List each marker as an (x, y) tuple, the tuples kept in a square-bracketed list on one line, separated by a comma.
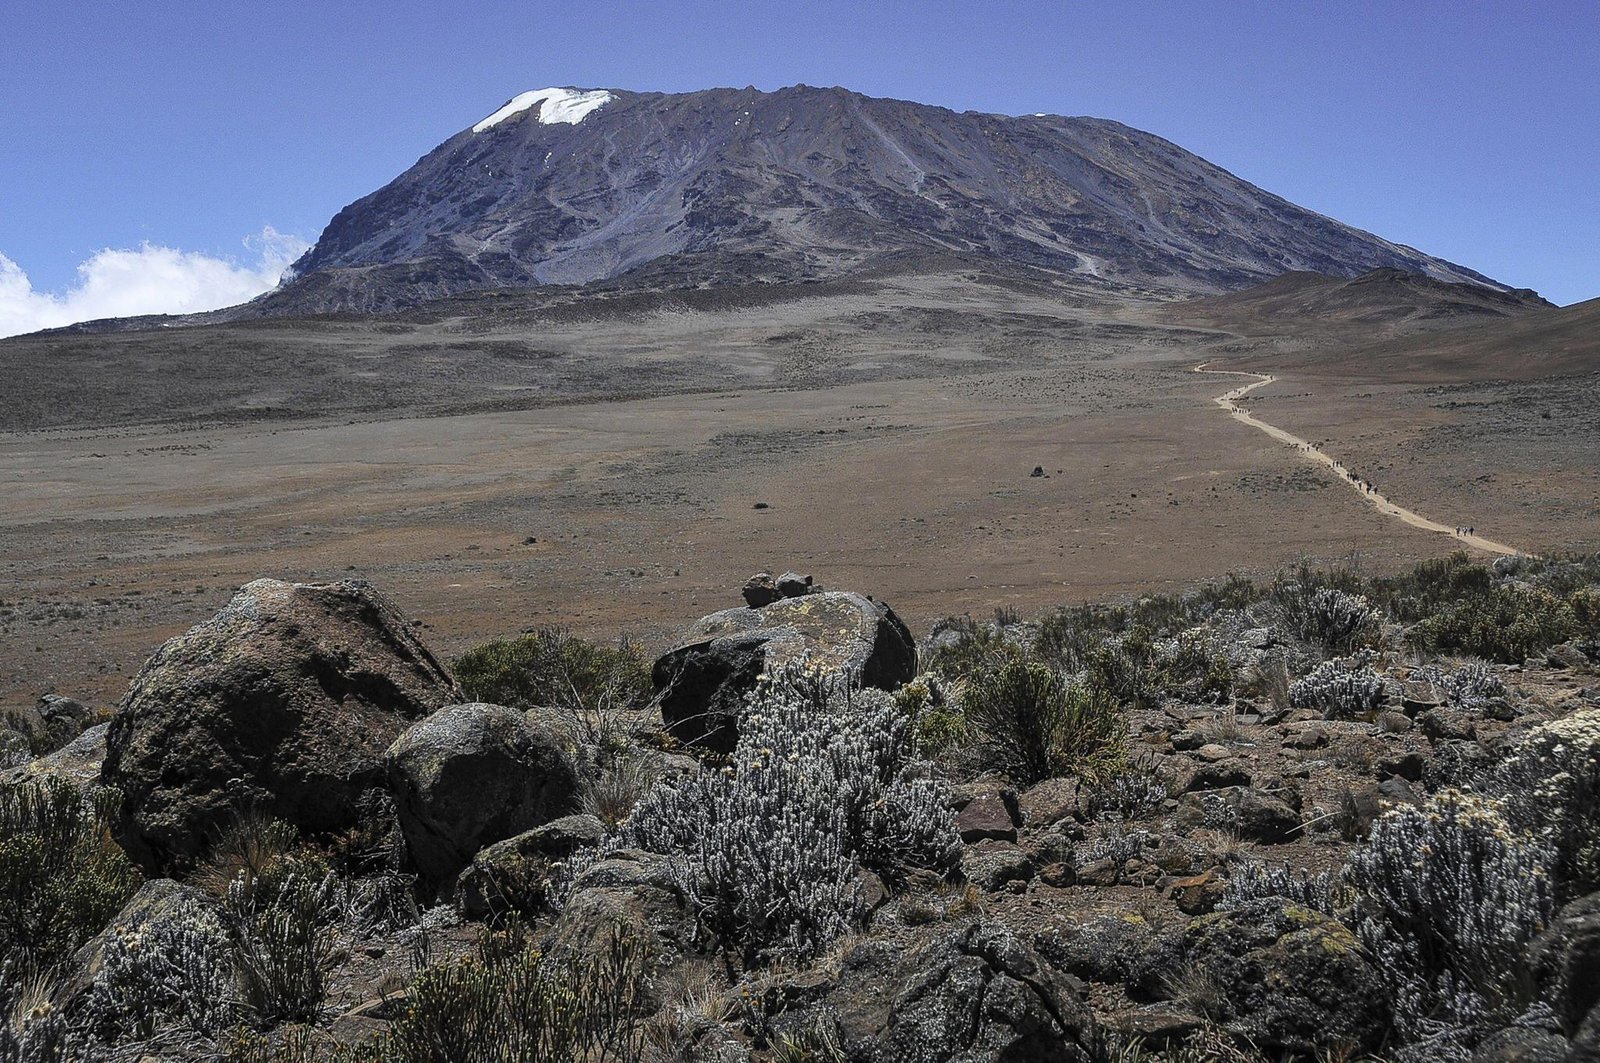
[(1037, 724), (1252, 881), (1507, 624), (1447, 899), (1130, 795), (1333, 619), (551, 668), (1340, 690), (1552, 787), (821, 784), (177, 977), (940, 728), (1188, 667), (1470, 686), (62, 877), (963, 646), (505, 1004), (1126, 667), (32, 1028), (1432, 585), (283, 925)]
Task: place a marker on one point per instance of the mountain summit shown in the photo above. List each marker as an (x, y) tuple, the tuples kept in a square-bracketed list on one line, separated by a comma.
[(570, 186)]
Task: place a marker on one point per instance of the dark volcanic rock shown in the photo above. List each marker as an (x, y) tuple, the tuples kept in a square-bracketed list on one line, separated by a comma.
[(978, 995), (1293, 979), (703, 680), (515, 874), (78, 762), (285, 701), (810, 182), (471, 775)]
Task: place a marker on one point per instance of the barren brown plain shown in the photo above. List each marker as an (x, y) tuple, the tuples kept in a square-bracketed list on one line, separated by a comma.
[(531, 464)]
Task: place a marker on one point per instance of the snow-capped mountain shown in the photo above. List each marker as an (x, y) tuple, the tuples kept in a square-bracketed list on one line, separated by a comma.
[(568, 186)]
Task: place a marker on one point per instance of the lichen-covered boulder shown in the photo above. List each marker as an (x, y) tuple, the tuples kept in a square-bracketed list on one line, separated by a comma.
[(515, 875), (78, 762), (1294, 980), (979, 995), (285, 701), (702, 680), (471, 775)]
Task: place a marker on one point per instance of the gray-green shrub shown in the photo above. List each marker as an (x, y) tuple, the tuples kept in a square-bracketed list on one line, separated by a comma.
[(1448, 898), (1035, 723)]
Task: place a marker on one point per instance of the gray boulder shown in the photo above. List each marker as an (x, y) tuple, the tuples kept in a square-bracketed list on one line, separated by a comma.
[(1293, 980), (978, 995), (78, 762), (470, 775), (703, 679), (284, 701), (516, 874)]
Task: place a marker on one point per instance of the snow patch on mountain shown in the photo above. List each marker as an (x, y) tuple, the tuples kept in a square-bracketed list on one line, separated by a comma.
[(566, 106)]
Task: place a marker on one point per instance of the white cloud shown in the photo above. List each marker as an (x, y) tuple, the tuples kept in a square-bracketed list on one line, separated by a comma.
[(149, 280)]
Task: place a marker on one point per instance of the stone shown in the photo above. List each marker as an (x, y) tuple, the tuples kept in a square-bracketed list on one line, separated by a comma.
[(1187, 741), (78, 762), (1417, 695), (1442, 724), (1049, 802), (1198, 894), (56, 711), (470, 775), (514, 875), (1313, 737), (794, 585), (1102, 872), (1216, 776), (992, 864), (283, 702), (1060, 874), (1293, 979), (1566, 959), (1263, 818), (1566, 656), (979, 995), (986, 817), (1212, 753), (1391, 722), (701, 682), (761, 589), (1408, 766)]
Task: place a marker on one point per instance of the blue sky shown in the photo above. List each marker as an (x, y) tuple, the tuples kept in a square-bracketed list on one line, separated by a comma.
[(1468, 129)]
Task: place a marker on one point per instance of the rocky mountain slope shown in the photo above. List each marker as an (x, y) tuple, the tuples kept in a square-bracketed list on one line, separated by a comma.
[(569, 187)]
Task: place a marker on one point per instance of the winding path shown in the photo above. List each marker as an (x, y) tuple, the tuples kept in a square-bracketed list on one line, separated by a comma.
[(1229, 401)]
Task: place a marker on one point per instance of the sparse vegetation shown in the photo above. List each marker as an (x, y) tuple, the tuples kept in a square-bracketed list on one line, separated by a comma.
[(1037, 724), (550, 668), (62, 877)]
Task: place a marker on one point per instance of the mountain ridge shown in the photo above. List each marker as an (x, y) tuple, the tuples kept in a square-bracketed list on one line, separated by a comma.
[(807, 183)]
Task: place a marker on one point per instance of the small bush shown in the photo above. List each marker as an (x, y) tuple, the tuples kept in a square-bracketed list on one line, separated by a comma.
[(283, 926), (1037, 725), (177, 978), (962, 646), (1337, 621), (1470, 686), (506, 1005), (62, 877), (1448, 897), (939, 725), (1189, 667), (1340, 690), (550, 668), (1506, 623), (1253, 881), (1127, 668), (823, 782), (1552, 787), (32, 1028)]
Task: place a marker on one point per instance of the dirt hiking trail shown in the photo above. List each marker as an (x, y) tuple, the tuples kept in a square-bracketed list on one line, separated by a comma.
[(1229, 401)]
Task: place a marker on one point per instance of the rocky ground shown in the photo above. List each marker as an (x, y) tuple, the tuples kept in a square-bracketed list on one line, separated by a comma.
[(1329, 816)]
